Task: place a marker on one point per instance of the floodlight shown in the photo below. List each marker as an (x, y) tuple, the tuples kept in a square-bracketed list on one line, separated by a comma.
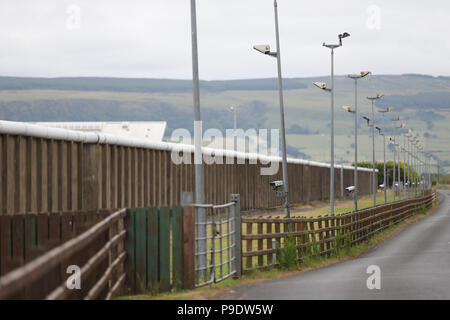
[(347, 108), (322, 85), (263, 48)]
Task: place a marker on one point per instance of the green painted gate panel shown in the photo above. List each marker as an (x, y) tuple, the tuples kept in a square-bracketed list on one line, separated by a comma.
[(153, 248), (141, 249), (130, 245), (164, 249), (177, 246)]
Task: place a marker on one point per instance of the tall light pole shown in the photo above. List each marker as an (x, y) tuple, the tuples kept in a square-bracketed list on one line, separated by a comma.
[(375, 182), (373, 176), (355, 174), (266, 50), (356, 77), (415, 166), (395, 136), (408, 136), (403, 125), (405, 151), (380, 132), (198, 157), (323, 86), (383, 112), (392, 142)]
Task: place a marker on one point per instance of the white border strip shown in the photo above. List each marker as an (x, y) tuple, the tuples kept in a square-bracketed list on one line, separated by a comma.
[(40, 131)]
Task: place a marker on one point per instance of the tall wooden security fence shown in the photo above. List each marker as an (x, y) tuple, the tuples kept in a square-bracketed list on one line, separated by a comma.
[(39, 174), (322, 235), (97, 256)]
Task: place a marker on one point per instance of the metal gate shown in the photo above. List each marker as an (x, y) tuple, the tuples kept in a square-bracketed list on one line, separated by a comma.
[(217, 241)]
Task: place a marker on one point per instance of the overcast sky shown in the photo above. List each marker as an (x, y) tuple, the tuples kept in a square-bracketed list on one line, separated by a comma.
[(133, 38)]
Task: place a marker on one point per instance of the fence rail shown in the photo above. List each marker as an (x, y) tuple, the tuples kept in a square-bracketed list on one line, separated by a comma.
[(322, 235), (23, 237), (97, 251)]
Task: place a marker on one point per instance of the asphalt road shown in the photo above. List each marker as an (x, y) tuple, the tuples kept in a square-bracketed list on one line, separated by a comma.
[(414, 264)]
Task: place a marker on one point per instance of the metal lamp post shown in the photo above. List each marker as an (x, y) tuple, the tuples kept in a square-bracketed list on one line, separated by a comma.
[(392, 142), (323, 86), (408, 141), (380, 132), (416, 170), (383, 112), (356, 77), (375, 182), (373, 145), (266, 50), (395, 144), (355, 174), (198, 158), (405, 151)]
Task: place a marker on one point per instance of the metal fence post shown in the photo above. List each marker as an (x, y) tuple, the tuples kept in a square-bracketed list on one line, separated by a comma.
[(236, 198)]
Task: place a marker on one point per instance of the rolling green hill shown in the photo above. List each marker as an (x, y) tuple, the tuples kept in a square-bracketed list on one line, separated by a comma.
[(424, 102)]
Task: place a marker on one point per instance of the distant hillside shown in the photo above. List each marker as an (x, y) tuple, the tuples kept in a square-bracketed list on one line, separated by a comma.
[(140, 85), (423, 101)]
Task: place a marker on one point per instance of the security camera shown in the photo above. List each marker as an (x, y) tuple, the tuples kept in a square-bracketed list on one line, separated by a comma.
[(263, 48), (276, 184), (350, 189)]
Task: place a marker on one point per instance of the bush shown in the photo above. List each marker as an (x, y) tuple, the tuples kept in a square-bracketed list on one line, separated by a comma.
[(287, 255)]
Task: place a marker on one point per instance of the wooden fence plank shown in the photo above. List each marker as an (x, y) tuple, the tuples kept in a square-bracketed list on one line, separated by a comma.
[(5, 244), (130, 245), (177, 246), (164, 249), (153, 248), (188, 247), (141, 252), (30, 237), (54, 224), (249, 245)]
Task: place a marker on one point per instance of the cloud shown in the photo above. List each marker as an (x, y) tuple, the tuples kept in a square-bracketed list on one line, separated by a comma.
[(151, 38)]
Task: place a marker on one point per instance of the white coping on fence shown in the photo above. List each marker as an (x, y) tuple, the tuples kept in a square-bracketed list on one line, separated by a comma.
[(38, 131)]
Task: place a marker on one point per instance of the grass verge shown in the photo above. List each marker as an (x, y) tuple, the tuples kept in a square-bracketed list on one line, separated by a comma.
[(228, 285)]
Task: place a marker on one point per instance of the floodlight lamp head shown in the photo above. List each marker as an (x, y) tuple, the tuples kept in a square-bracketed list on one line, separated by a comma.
[(344, 35), (347, 108), (263, 48), (321, 85)]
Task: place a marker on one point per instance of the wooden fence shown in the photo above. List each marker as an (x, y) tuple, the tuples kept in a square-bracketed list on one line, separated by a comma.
[(322, 235), (24, 237), (45, 175), (155, 249), (99, 252)]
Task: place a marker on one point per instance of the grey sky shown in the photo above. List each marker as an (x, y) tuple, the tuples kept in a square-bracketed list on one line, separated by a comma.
[(152, 38)]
